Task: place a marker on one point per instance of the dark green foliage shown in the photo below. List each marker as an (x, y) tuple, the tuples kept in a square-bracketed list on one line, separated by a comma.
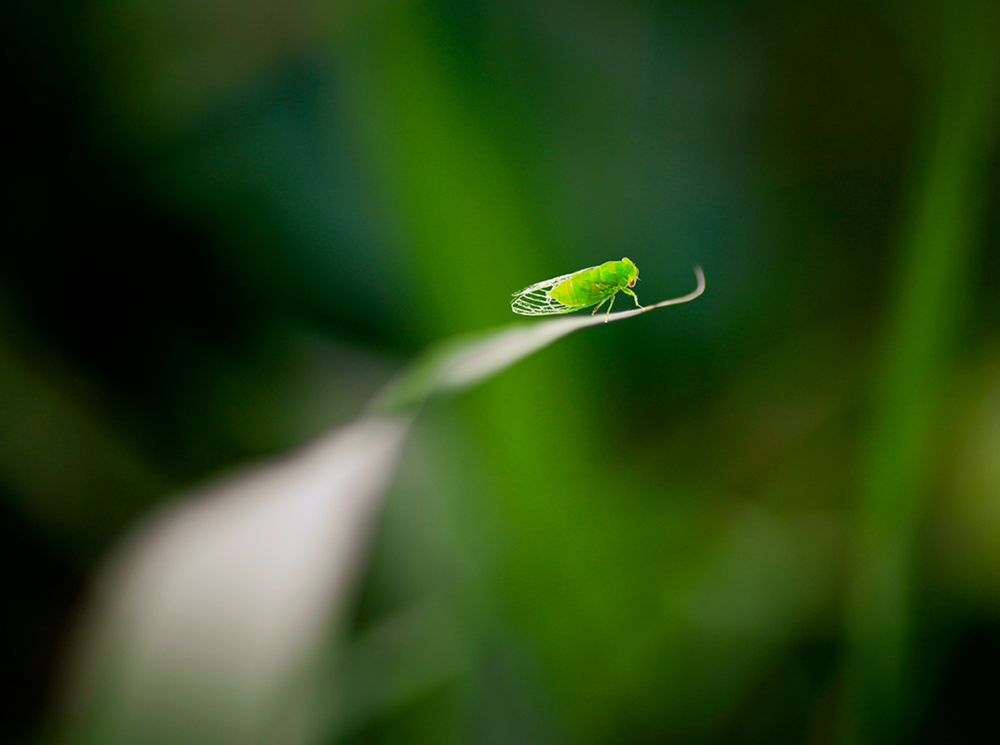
[(767, 516)]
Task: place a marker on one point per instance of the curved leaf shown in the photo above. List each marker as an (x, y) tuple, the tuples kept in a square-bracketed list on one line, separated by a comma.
[(208, 623), (466, 360)]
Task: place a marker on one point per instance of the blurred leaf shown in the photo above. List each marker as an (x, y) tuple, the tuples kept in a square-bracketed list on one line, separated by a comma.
[(939, 239), (208, 625)]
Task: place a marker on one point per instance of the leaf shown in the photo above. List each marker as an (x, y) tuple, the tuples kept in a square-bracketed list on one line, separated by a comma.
[(208, 624), (464, 361)]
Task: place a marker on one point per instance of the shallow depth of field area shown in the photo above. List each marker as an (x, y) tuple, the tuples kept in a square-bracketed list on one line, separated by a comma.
[(769, 515)]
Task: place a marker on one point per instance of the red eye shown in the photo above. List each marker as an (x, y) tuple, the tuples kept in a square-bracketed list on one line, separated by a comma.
[(631, 282)]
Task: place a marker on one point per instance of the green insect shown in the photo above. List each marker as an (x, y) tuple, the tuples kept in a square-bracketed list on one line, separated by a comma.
[(597, 284)]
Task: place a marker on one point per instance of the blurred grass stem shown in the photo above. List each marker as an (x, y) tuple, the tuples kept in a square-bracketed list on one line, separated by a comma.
[(939, 237)]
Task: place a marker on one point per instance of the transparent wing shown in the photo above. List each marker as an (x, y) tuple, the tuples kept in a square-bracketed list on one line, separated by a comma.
[(536, 301)]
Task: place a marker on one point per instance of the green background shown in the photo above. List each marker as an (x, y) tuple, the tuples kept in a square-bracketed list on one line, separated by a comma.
[(771, 515)]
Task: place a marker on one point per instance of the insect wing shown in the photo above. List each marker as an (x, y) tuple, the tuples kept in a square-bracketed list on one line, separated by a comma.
[(536, 301)]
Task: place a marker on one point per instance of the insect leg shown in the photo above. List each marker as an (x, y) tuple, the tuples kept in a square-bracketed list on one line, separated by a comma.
[(596, 307), (612, 299), (634, 297)]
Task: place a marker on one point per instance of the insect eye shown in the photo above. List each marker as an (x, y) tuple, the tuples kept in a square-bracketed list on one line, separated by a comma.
[(631, 282)]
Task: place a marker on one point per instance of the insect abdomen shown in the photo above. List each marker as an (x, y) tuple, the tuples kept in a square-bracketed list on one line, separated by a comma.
[(588, 286)]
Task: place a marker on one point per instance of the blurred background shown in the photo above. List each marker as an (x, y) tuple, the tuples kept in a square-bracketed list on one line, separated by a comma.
[(771, 515)]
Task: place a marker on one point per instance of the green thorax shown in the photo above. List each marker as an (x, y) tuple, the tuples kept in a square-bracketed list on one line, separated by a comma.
[(592, 285)]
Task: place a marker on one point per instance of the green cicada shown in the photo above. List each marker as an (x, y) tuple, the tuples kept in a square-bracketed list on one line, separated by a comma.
[(594, 285)]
